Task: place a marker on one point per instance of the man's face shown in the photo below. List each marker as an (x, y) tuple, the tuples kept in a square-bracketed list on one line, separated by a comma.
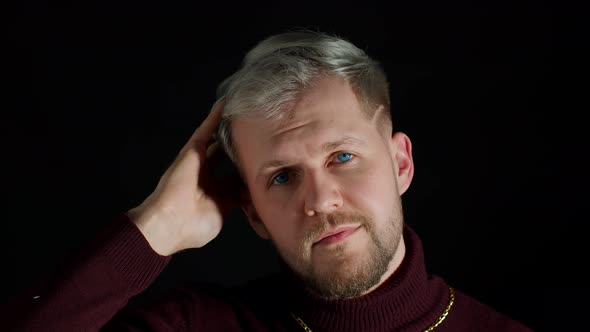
[(333, 211)]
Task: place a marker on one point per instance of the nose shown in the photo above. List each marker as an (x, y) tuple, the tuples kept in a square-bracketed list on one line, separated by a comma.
[(321, 195)]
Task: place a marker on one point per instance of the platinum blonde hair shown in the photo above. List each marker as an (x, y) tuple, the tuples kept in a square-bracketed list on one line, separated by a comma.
[(277, 70)]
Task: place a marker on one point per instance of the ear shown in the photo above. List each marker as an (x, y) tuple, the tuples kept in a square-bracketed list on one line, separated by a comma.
[(252, 215), (403, 161)]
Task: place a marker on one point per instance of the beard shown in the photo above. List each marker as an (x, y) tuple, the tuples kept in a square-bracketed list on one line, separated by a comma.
[(346, 274)]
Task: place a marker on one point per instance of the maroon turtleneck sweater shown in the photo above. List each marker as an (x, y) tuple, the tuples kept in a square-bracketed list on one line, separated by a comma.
[(90, 295)]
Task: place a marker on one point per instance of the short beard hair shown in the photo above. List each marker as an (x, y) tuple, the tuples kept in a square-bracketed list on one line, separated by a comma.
[(349, 283)]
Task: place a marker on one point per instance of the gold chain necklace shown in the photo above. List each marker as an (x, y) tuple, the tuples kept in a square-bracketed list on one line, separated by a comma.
[(440, 319)]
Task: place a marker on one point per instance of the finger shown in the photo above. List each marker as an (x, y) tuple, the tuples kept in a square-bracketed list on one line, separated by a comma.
[(213, 148), (199, 139), (204, 132)]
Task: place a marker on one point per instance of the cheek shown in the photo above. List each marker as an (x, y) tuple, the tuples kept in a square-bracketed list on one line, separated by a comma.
[(280, 223), (374, 191)]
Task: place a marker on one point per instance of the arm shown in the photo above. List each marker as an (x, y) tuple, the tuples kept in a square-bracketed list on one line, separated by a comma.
[(186, 210), (118, 265)]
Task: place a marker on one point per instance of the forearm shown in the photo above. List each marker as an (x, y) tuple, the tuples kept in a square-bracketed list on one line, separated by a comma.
[(92, 289)]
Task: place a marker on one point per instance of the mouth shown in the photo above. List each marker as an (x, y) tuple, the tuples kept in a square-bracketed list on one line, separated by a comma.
[(336, 235)]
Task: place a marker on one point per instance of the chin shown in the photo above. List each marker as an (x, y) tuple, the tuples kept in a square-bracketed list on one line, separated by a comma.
[(345, 278)]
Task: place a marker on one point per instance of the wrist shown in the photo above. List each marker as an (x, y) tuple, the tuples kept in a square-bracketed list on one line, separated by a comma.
[(152, 227)]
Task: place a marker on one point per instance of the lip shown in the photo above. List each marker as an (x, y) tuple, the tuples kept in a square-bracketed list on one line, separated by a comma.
[(336, 235)]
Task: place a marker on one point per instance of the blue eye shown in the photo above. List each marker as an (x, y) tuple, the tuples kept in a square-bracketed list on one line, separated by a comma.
[(281, 178), (347, 156)]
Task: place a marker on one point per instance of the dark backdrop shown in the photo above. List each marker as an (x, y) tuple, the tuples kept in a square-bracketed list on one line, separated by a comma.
[(101, 97)]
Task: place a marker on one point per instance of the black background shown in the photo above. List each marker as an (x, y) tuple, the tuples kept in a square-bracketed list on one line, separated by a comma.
[(102, 96)]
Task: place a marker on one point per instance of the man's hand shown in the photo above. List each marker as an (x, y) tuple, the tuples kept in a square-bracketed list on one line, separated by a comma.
[(187, 208)]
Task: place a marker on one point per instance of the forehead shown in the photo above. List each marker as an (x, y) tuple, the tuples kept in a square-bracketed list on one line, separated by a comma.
[(327, 111)]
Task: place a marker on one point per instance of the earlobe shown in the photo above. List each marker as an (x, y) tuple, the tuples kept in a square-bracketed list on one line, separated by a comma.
[(253, 217), (404, 163)]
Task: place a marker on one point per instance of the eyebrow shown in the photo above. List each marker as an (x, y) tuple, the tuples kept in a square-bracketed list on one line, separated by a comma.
[(326, 148)]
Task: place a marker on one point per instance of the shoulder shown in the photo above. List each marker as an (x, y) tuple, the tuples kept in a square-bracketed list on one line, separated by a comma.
[(253, 294), (207, 307), (257, 303), (260, 294)]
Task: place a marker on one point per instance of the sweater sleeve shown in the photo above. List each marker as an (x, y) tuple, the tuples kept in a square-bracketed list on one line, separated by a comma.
[(85, 295)]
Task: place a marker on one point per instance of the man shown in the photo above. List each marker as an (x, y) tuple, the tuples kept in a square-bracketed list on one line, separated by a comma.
[(306, 122)]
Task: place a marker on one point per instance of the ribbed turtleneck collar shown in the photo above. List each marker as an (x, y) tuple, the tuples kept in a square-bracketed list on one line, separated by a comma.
[(409, 300)]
